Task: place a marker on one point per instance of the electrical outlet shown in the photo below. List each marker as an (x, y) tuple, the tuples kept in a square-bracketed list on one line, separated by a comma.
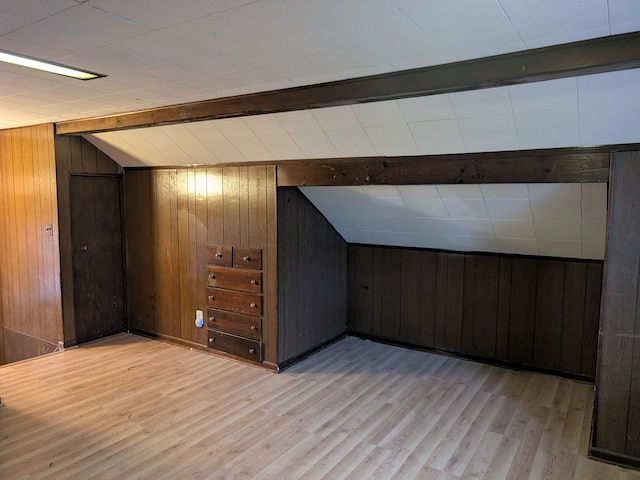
[(199, 319)]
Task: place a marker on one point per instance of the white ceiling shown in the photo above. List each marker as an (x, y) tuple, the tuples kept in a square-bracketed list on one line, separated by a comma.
[(162, 52)]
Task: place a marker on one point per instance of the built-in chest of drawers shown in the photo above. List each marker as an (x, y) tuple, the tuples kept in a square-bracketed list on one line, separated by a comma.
[(234, 300)]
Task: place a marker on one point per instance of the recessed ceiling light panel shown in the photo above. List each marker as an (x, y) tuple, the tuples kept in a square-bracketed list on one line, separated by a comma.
[(46, 66)]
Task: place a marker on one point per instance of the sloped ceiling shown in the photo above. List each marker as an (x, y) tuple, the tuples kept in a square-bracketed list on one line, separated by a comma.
[(161, 52)]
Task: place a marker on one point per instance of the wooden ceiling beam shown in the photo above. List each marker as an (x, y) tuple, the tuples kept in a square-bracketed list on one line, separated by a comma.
[(571, 165), (605, 54)]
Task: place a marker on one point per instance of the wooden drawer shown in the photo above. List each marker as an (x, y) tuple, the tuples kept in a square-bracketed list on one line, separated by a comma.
[(244, 257), (242, 347), (234, 279), (219, 255), (236, 323), (240, 302)]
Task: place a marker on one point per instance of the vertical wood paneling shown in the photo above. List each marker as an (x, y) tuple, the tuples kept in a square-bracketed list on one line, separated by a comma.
[(549, 314), (617, 412), (171, 215), (533, 312), (31, 307), (312, 277), (74, 155)]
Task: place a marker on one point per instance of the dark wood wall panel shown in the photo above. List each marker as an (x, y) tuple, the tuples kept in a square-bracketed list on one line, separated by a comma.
[(617, 407), (29, 250), (535, 312), (170, 216), (74, 155), (312, 266)]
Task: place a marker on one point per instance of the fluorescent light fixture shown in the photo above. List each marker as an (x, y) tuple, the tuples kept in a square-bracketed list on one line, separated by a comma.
[(46, 66)]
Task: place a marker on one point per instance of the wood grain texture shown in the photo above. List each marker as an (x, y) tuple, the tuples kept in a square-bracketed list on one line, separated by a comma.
[(74, 155), (525, 311), (617, 414), (566, 165), (312, 277), (138, 408), (29, 252), (171, 215), (611, 53)]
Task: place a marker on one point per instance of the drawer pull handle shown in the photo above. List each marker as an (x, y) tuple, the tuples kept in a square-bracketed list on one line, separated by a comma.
[(212, 319), (253, 305), (211, 339), (253, 327), (253, 282), (212, 276), (210, 297), (218, 255), (252, 350), (246, 258)]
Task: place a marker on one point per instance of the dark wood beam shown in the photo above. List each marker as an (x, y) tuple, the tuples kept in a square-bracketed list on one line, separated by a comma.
[(599, 55), (542, 166)]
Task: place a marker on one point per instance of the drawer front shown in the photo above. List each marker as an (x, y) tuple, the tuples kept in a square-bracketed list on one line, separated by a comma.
[(240, 302), (244, 257), (234, 279), (236, 323), (219, 255), (242, 347)]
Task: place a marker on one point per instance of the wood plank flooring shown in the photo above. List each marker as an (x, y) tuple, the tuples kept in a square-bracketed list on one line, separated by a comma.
[(128, 407)]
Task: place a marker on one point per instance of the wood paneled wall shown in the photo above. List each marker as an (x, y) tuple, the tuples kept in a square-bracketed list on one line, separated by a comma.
[(312, 276), (29, 251), (537, 312), (617, 406), (74, 155), (171, 215)]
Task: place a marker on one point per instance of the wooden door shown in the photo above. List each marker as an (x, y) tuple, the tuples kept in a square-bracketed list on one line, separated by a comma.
[(96, 235)]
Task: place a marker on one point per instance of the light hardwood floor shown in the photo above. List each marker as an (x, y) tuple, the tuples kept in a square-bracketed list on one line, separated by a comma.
[(128, 407)]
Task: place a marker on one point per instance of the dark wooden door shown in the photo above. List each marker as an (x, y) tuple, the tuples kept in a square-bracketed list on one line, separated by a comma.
[(96, 234)]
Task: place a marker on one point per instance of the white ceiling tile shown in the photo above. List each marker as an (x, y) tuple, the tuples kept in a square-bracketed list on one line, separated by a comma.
[(555, 191), (474, 228), (426, 207), (234, 128), (480, 244), (378, 113), (596, 127), (513, 229), (545, 209), (341, 221), (611, 88), (440, 136), (486, 28), (481, 103), (353, 236), (282, 147), (381, 238), (594, 231), (351, 142), (508, 209), (264, 125), (455, 192), (388, 206), (548, 128), (419, 191), (505, 190), (149, 13), (549, 95), (372, 223), (205, 131), (558, 248), (466, 208), (315, 145), (392, 140), (624, 16), (381, 191), (497, 132), (593, 250), (423, 109), (300, 121), (569, 20), (225, 151), (336, 118), (251, 148), (518, 246), (594, 202), (332, 11), (559, 230)]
